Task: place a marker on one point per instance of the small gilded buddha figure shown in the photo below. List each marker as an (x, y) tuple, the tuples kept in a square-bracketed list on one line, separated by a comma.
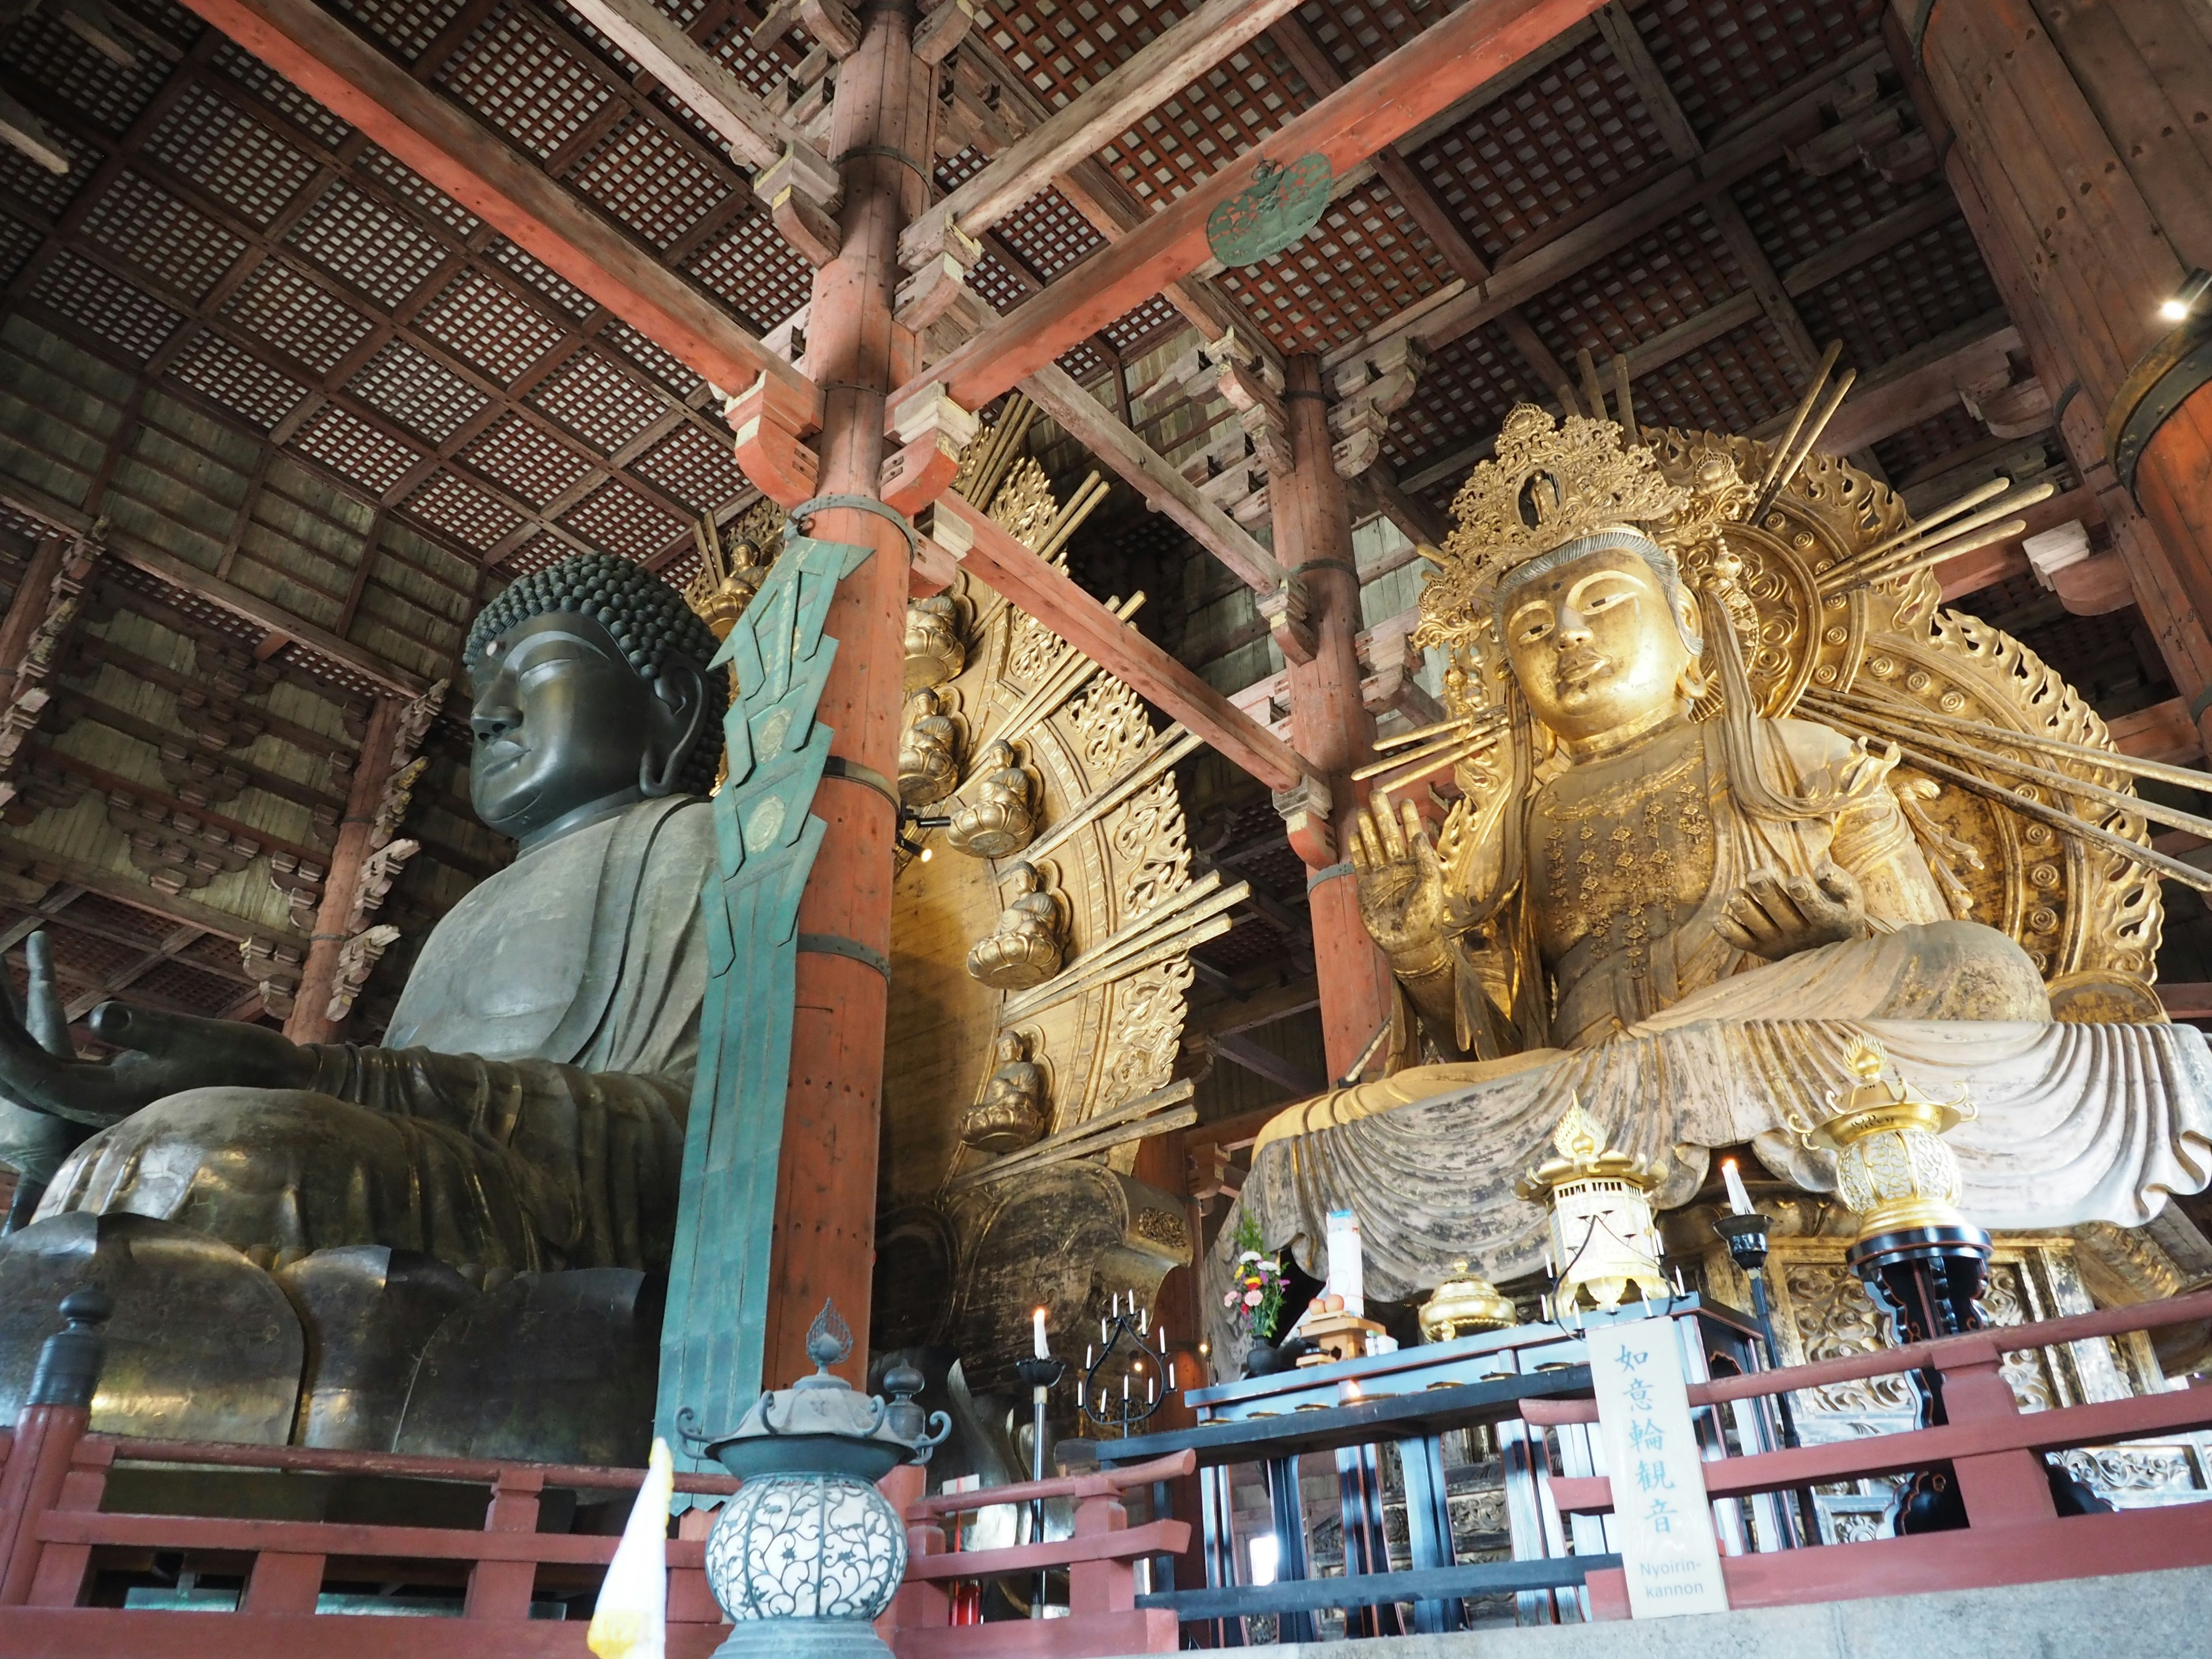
[(1000, 817), (1024, 948), (1012, 1112), (936, 650), (929, 751)]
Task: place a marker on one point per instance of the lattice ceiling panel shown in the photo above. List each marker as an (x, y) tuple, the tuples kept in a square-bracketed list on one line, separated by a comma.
[(273, 90), (215, 144), (45, 50), (1667, 278), (643, 354), (1143, 328), (106, 305), (364, 243), (1048, 234), (49, 192), (648, 180), (354, 449), (541, 550), (526, 462), (1364, 261), (1202, 128), (1903, 298), (478, 318), (430, 401), (1002, 289), (162, 236), (409, 186), (1083, 362), (1359, 35), (298, 316), (1728, 386), (761, 72), (619, 521), (697, 469), (519, 77), (1574, 132), (1796, 215), (753, 269), (463, 512), (408, 26), (1722, 57), (564, 296), (17, 242), (1470, 385), (604, 405), (241, 383)]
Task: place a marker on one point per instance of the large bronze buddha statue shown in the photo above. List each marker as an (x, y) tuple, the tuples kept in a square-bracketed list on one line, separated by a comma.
[(1678, 876), (526, 1111)]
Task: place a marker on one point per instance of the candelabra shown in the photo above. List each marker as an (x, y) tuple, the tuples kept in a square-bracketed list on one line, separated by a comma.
[(1127, 1330), (1745, 1230)]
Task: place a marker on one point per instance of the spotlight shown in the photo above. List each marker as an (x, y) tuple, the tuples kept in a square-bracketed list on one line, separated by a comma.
[(2179, 307), (2174, 310)]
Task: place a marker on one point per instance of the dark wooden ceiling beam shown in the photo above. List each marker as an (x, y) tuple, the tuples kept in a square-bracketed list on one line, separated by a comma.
[(130, 888), (451, 149)]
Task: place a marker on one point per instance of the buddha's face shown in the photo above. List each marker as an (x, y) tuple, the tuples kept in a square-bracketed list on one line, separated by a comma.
[(563, 724), (1595, 646)]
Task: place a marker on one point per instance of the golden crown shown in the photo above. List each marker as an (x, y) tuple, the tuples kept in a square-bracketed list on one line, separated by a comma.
[(1548, 484)]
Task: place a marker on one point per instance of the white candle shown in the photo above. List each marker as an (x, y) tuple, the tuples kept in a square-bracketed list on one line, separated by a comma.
[(1171, 1381), (1152, 1385), (1037, 1331), (1124, 1387), (1143, 1316), (1162, 1339), (1087, 1352), (1739, 1199)]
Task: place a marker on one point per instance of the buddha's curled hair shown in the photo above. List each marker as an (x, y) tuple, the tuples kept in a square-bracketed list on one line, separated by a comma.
[(648, 619)]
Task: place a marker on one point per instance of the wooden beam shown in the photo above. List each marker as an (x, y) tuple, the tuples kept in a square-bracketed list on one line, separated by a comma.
[(1922, 384), (1235, 1014), (1003, 564), (1414, 82), (755, 134), (1751, 141), (1102, 432), (129, 887), (1263, 1062), (480, 171), (1099, 114)]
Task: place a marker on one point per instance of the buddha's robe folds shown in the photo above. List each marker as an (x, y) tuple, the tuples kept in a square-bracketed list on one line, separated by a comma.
[(528, 1111), (1678, 1043)]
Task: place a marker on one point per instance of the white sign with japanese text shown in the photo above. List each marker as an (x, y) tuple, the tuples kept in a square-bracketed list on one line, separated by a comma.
[(1662, 1521)]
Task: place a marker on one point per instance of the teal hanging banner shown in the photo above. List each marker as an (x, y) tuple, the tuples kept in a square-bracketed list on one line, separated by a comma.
[(1274, 212), (766, 837)]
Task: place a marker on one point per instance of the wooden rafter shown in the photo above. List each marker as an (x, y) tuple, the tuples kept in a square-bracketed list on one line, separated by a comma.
[(757, 134), (479, 170)]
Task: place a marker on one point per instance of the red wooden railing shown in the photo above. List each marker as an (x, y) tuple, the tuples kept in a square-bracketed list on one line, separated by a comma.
[(1100, 1558), (54, 1476), (2014, 1533)]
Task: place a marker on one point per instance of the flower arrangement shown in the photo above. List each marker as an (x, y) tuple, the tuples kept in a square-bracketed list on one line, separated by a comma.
[(1255, 1298)]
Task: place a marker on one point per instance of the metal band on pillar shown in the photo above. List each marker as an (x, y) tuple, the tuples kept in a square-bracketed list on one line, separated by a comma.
[(2163, 379), (837, 944)]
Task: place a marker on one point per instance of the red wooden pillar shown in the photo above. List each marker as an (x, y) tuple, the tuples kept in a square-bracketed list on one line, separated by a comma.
[(2166, 609), (310, 1020), (1329, 723), (825, 1201), (2078, 122)]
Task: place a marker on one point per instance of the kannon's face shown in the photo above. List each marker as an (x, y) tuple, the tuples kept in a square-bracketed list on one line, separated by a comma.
[(1594, 645), (561, 720)]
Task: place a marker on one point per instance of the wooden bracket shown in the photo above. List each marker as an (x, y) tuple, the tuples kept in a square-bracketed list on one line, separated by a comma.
[(940, 279), (934, 430), (1305, 808), (812, 234), (1284, 611), (802, 190), (1370, 389), (833, 25), (771, 420), (943, 28)]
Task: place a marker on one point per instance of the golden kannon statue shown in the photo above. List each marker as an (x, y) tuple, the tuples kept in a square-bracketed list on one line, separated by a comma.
[(1706, 820)]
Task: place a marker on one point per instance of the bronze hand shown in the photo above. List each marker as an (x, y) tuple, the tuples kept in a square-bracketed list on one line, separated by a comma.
[(1773, 916), (1401, 886), (163, 1053)]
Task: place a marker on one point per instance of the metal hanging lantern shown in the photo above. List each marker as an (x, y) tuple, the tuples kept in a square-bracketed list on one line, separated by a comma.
[(1602, 1234), (808, 1553)]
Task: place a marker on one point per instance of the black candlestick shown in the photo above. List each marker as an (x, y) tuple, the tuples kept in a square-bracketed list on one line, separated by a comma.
[(1748, 1244), (1042, 1377)]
